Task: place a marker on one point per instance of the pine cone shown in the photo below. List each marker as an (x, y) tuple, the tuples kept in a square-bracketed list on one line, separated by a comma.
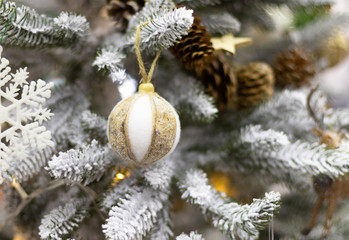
[(195, 50), (122, 10), (219, 79), (295, 67), (255, 84)]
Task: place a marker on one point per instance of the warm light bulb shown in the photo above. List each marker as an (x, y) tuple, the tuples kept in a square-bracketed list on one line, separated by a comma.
[(19, 236), (120, 176)]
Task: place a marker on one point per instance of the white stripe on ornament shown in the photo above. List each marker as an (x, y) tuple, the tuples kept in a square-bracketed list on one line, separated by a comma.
[(140, 127)]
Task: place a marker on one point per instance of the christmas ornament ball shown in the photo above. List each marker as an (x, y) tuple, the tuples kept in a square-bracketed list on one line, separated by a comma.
[(334, 49), (144, 127)]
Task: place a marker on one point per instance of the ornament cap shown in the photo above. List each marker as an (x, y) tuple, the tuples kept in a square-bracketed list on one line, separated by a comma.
[(146, 88)]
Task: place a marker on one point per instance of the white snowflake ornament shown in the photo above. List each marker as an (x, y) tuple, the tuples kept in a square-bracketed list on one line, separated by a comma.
[(21, 115)]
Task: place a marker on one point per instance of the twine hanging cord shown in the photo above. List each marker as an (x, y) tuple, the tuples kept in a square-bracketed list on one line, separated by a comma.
[(146, 77)]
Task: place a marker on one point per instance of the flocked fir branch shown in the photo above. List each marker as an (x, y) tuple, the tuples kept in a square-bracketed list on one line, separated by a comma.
[(189, 99), (67, 115), (30, 166), (149, 11), (162, 24), (238, 221), (319, 2), (219, 22), (61, 95), (300, 2), (61, 221), (160, 174), (128, 187), (71, 27), (163, 229), (133, 216), (309, 35), (198, 3), (110, 58), (338, 118), (293, 106), (83, 165), (27, 28), (270, 151), (165, 30), (94, 125), (190, 236)]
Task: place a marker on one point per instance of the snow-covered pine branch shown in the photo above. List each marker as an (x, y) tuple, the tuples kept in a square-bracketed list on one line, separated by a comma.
[(270, 151), (133, 216), (310, 2), (30, 29), (189, 99), (159, 174), (292, 105), (95, 126), (337, 118), (313, 159), (299, 2), (311, 34), (28, 167), (219, 22), (150, 9), (67, 103), (62, 92), (110, 58), (165, 30), (127, 187), (198, 3), (190, 236), (163, 227), (83, 165), (61, 221), (162, 25), (238, 221), (71, 27)]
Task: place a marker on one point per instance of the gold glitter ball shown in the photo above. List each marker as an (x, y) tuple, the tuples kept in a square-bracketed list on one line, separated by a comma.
[(334, 49), (143, 128)]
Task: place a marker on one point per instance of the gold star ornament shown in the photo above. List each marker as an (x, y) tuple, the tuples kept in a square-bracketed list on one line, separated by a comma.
[(229, 43)]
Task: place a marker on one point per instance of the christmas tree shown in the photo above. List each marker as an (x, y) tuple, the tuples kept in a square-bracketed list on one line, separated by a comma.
[(174, 119)]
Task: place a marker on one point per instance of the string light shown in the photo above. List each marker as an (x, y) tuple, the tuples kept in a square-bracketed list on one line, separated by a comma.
[(120, 175), (222, 182)]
